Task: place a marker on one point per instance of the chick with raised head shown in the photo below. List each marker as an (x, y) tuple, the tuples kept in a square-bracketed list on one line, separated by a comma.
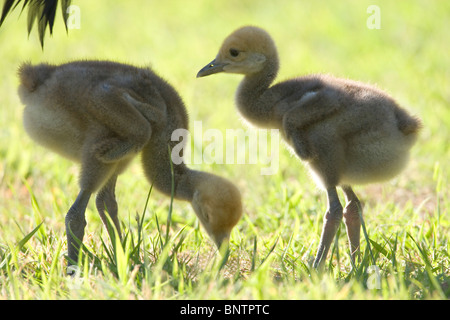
[(102, 114), (346, 132)]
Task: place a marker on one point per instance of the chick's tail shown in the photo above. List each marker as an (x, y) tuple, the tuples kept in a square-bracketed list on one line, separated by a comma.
[(31, 77)]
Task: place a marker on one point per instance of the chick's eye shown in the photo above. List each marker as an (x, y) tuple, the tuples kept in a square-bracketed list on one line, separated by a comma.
[(234, 52)]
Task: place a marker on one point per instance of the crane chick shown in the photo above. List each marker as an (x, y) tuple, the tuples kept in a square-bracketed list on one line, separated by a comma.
[(102, 114), (346, 132)]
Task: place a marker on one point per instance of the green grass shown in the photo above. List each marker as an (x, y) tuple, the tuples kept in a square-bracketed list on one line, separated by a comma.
[(405, 250)]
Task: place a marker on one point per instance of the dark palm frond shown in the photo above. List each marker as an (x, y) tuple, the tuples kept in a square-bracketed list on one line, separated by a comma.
[(43, 11)]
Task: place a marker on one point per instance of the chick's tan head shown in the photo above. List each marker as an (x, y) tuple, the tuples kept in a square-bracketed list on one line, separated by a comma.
[(245, 51), (217, 203)]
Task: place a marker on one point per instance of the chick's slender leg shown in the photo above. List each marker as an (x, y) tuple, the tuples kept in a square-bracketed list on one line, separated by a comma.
[(106, 200), (352, 220), (75, 224), (94, 174), (331, 222)]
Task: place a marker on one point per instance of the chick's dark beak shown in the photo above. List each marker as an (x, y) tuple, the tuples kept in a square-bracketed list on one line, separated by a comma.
[(211, 68)]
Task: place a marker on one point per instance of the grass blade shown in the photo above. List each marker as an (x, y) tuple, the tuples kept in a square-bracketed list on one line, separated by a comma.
[(252, 268), (27, 237), (366, 236), (428, 267), (379, 248), (270, 251)]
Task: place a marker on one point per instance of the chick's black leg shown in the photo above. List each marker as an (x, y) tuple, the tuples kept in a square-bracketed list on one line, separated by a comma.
[(106, 200), (75, 224), (332, 219)]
